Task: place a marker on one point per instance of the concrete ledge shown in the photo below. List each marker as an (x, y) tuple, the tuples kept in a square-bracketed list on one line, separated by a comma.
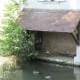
[(76, 60), (59, 60)]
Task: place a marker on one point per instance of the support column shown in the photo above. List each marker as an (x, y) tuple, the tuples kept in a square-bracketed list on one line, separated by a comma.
[(77, 57)]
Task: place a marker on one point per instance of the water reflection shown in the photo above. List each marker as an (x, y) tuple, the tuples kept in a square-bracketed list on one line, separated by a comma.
[(25, 72), (77, 73)]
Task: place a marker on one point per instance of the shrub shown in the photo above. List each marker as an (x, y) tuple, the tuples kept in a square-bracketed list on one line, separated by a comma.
[(16, 41)]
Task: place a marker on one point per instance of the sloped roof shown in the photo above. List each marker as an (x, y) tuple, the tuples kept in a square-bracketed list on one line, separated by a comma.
[(49, 20)]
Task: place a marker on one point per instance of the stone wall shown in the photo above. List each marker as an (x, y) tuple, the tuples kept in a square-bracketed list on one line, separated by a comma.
[(62, 43)]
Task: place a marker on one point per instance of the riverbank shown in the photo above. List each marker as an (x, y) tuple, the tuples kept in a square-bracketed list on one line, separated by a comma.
[(58, 59), (7, 60), (62, 60)]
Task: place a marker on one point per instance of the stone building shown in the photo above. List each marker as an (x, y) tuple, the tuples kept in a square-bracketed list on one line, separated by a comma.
[(56, 23)]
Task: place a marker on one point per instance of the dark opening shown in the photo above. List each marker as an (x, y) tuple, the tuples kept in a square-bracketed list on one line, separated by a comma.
[(38, 40)]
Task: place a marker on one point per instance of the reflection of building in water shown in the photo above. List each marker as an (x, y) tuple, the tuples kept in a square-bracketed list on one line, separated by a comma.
[(77, 73)]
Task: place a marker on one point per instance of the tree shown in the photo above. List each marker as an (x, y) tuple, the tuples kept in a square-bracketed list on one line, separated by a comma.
[(14, 40)]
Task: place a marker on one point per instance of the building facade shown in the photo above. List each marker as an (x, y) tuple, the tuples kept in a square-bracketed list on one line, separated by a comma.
[(58, 24)]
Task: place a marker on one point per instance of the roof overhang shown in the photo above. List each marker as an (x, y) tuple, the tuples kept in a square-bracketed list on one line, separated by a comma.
[(49, 20)]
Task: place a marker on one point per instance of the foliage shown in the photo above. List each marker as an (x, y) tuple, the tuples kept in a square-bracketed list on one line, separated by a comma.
[(16, 41)]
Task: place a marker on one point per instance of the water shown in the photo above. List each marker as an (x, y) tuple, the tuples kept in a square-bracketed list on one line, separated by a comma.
[(47, 71)]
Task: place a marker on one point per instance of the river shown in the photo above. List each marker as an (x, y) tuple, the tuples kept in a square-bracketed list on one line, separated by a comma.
[(38, 71)]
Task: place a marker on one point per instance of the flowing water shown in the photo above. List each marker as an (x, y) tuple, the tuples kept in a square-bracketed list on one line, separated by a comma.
[(38, 71)]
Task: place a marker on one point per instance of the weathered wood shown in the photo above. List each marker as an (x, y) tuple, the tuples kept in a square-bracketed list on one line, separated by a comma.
[(74, 34)]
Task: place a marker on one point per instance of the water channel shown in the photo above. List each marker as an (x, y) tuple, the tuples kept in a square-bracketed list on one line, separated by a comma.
[(38, 71)]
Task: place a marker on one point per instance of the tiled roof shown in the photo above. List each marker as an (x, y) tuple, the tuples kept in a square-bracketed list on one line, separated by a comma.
[(49, 20)]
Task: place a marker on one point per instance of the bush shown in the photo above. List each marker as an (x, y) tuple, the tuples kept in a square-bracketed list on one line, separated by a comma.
[(16, 41)]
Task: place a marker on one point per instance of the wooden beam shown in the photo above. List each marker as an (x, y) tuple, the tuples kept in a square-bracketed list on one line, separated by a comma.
[(74, 34)]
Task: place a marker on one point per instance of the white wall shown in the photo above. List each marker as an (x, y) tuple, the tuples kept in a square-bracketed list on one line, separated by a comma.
[(67, 5)]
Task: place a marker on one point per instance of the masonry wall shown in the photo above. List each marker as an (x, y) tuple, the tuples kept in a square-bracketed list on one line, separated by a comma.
[(61, 43)]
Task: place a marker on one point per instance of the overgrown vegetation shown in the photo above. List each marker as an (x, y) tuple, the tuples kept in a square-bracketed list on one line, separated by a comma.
[(16, 41)]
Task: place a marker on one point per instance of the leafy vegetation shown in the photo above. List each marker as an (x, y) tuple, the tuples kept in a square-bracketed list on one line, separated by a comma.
[(16, 41)]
